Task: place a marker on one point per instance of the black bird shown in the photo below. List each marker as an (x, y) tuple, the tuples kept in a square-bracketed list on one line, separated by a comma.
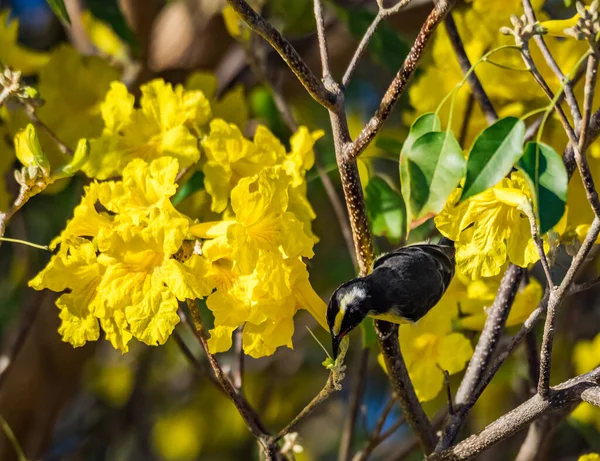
[(403, 286)]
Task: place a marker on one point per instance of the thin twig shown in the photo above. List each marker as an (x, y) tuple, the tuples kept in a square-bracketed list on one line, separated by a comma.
[(309, 80), (355, 403), (448, 392), (382, 13), (535, 235), (198, 366), (29, 110), (323, 51), (580, 150), (465, 65), (400, 81), (325, 393), (569, 93), (537, 76), (583, 286)]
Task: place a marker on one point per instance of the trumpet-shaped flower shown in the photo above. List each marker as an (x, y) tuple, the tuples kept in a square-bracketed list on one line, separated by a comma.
[(231, 106), (75, 268), (430, 346), (256, 263), (489, 228), (166, 124)]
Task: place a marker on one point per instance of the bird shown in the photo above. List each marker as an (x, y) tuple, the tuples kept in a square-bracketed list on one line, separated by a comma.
[(402, 287)]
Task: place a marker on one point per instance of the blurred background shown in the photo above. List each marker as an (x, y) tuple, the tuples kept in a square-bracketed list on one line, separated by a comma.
[(92, 403)]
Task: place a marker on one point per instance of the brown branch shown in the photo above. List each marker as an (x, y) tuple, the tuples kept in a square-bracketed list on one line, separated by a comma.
[(473, 382), (491, 333), (465, 65), (537, 76), (541, 43), (400, 82), (516, 420), (592, 396), (262, 27), (580, 151), (387, 334), (556, 298), (244, 408)]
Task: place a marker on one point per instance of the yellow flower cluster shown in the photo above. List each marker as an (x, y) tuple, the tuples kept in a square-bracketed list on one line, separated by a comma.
[(118, 266)]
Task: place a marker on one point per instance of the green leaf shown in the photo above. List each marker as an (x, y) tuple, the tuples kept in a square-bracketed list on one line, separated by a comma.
[(426, 123), (386, 47), (59, 9), (493, 155), (430, 170), (195, 183), (385, 209), (548, 180)]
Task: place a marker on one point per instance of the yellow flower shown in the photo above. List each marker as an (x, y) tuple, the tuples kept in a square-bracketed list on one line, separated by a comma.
[(474, 297), (231, 106), (73, 87), (478, 25), (75, 268), (256, 263), (266, 314), (125, 277), (489, 229), (231, 157), (586, 357), (14, 55), (430, 346), (166, 124), (589, 457)]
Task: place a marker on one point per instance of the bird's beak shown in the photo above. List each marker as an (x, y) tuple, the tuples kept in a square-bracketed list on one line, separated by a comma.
[(335, 345)]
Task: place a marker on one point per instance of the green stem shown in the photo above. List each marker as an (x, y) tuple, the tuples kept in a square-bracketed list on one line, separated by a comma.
[(484, 58), (10, 435), (25, 242)]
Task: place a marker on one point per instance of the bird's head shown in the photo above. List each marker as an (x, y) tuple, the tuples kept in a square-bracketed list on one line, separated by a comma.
[(349, 305)]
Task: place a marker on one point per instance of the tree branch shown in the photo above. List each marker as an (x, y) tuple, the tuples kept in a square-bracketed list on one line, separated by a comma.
[(516, 420), (398, 85), (465, 65), (541, 43), (387, 334), (262, 27), (556, 297)]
